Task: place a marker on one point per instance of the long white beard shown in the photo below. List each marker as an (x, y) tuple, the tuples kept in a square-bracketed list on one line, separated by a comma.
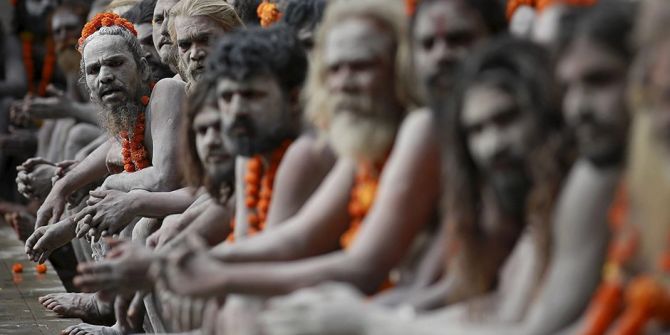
[(362, 137)]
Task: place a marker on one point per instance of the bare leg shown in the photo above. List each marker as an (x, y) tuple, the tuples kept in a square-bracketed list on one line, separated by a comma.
[(79, 137)]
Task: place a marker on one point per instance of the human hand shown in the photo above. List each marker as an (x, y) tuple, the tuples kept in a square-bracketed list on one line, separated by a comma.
[(166, 233), (188, 269), (55, 106), (106, 212), (46, 239), (124, 270), (34, 180), (52, 208)]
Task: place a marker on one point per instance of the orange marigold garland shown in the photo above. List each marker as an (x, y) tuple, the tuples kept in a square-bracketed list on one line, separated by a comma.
[(135, 155), (29, 64), (258, 189), (513, 5), (646, 298), (104, 20), (268, 13), (410, 6), (362, 198)]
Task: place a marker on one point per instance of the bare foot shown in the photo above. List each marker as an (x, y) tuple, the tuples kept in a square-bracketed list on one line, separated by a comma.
[(88, 329), (23, 224), (84, 306)]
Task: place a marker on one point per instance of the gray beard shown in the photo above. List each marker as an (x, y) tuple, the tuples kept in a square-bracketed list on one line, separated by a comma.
[(120, 118)]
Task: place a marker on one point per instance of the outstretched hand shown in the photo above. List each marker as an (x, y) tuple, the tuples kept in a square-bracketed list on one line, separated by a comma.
[(189, 269), (124, 270)]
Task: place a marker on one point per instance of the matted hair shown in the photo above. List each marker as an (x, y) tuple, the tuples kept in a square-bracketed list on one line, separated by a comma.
[(218, 10), (523, 70), (389, 15)]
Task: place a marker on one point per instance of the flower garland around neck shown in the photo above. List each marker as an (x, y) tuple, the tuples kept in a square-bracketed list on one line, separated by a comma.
[(362, 198), (258, 189), (135, 156), (48, 64), (268, 13), (642, 299)]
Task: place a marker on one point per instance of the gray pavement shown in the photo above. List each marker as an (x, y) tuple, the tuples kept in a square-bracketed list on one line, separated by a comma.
[(20, 312)]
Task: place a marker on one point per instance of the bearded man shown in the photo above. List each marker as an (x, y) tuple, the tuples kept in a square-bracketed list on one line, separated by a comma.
[(353, 80), (167, 50), (118, 80), (194, 25), (141, 15)]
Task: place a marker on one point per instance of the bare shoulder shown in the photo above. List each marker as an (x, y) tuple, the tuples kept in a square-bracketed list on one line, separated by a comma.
[(418, 128), (169, 85), (310, 149)]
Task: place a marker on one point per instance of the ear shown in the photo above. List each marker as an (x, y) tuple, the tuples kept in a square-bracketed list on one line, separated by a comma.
[(145, 72)]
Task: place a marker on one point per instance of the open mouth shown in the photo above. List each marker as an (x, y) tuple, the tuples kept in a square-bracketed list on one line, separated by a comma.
[(110, 92)]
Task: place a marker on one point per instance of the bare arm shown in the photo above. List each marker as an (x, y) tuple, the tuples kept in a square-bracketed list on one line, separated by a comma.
[(581, 237), (212, 224), (300, 173), (161, 204), (313, 231), (15, 84), (90, 169), (163, 174), (408, 181)]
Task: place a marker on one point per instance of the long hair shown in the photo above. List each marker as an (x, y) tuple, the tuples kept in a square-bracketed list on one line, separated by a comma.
[(193, 172), (390, 16), (217, 10), (522, 69)]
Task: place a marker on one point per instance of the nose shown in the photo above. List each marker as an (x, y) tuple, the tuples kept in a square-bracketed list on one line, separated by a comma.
[(238, 106), (164, 27), (577, 106), (198, 53), (490, 144), (343, 80), (212, 137), (106, 75)]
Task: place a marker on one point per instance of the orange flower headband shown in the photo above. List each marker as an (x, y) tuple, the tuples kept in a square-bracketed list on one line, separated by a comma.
[(268, 13), (104, 20), (540, 5)]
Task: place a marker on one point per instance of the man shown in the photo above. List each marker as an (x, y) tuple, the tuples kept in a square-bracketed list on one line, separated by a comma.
[(167, 50), (498, 122), (194, 25), (141, 15), (117, 78), (593, 65), (354, 88)]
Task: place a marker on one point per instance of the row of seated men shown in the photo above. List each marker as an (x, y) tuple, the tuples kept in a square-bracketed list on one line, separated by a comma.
[(361, 167)]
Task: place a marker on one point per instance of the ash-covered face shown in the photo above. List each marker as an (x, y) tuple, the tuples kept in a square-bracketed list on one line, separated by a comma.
[(255, 114), (594, 103), (113, 78), (218, 162), (66, 27), (444, 33), (359, 61), (158, 69), (195, 36), (499, 138), (167, 50)]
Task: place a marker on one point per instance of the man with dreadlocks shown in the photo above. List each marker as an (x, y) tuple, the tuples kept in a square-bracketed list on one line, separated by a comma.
[(500, 158), (141, 153)]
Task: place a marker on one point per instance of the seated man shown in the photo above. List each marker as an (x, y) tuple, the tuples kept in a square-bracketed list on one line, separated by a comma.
[(502, 167), (118, 81), (141, 15)]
